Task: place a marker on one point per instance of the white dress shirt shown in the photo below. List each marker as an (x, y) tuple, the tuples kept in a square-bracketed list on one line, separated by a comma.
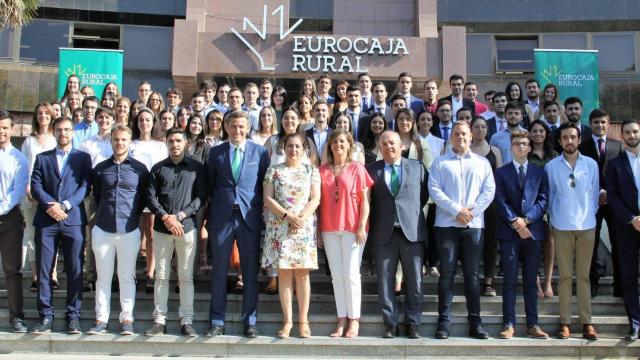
[(387, 173), (98, 148), (573, 208), (436, 145), (14, 177), (457, 182)]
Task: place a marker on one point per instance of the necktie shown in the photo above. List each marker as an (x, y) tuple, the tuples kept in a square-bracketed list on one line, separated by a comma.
[(553, 128), (236, 163), (354, 125), (501, 129), (601, 149), (521, 176), (364, 104), (394, 181), (445, 133)]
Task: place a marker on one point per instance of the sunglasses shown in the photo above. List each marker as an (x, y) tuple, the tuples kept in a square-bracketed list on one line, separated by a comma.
[(572, 180)]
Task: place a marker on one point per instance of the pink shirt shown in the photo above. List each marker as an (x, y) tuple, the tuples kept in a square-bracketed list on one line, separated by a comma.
[(343, 214)]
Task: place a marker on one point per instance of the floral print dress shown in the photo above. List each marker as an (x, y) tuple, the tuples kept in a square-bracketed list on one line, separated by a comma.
[(292, 188)]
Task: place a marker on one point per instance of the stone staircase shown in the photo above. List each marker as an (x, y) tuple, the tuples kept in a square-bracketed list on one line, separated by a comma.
[(608, 315)]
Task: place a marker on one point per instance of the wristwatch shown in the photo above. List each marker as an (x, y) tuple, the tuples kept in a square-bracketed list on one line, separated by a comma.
[(180, 216), (526, 220), (64, 207)]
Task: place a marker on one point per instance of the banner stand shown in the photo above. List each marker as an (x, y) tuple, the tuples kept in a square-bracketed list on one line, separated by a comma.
[(94, 67)]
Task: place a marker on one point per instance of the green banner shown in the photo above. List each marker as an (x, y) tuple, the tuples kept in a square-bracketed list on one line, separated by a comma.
[(94, 67), (574, 72)]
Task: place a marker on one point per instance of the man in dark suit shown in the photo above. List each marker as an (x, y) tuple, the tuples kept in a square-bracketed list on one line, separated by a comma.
[(235, 173), (443, 124), (359, 118), (623, 186), (59, 184), (522, 192), (602, 149), (573, 110), (497, 123), (456, 84), (398, 230), (405, 83)]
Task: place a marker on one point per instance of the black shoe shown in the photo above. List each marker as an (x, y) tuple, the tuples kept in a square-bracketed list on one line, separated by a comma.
[(73, 327), (412, 331), (43, 326), (156, 329), (115, 286), (250, 331), (391, 331), (148, 285), (442, 332), (18, 326), (177, 289), (188, 330), (632, 335), (88, 286), (478, 332), (617, 292), (215, 330)]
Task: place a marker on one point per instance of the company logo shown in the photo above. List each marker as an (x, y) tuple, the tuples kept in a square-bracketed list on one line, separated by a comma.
[(76, 70), (554, 75), (550, 74), (262, 33)]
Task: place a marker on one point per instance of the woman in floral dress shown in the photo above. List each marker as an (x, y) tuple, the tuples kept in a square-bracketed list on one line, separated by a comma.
[(292, 194)]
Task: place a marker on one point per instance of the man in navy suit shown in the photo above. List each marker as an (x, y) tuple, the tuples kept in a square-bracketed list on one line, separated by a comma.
[(59, 184), (456, 84), (522, 192), (403, 88), (235, 173), (623, 184)]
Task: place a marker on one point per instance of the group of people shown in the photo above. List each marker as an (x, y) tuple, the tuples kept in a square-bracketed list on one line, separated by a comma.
[(411, 185)]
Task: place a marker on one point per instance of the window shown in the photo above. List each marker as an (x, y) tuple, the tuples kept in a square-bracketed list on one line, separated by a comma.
[(6, 43), (563, 41), (515, 54), (147, 48), (96, 36), (616, 51), (311, 9), (41, 39), (479, 54)]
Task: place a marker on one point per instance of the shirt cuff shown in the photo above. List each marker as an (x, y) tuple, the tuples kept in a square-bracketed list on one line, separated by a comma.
[(67, 204)]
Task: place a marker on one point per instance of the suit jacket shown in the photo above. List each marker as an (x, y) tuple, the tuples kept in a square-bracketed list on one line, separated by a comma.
[(435, 129), (512, 201), (622, 193), (48, 185), (408, 204), (309, 133), (388, 115), (585, 133), (492, 128), (224, 191), (465, 102), (612, 149), (363, 123)]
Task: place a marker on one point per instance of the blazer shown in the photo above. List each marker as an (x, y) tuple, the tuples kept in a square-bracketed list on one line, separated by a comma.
[(408, 204), (512, 201), (416, 105), (492, 128), (435, 129), (622, 193), (363, 123), (224, 192), (309, 133), (465, 102), (48, 185), (612, 149), (388, 115)]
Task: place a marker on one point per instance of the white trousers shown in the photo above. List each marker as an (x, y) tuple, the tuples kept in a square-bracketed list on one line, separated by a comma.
[(106, 246), (163, 245), (345, 257)]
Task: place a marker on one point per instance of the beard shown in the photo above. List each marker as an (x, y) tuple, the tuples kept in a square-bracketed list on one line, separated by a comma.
[(570, 151), (632, 142)]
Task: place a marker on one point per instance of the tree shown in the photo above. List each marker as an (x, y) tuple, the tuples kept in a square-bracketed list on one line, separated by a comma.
[(16, 13)]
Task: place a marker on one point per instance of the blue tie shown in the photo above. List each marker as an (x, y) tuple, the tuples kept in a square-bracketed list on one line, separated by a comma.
[(521, 176)]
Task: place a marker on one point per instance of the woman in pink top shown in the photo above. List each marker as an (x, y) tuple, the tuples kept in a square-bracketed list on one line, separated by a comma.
[(344, 209)]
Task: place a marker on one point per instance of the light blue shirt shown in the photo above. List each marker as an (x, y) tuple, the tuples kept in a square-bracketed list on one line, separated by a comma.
[(14, 178), (573, 208), (82, 131), (502, 141), (320, 138), (254, 116), (457, 182), (222, 108), (355, 118), (388, 168)]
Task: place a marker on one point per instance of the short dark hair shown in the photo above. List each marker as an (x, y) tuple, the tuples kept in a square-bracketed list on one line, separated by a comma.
[(455, 77), (105, 110), (90, 98), (598, 113), (4, 114), (568, 125), (208, 85), (546, 104), (352, 88), (266, 81), (403, 74), (176, 130), (513, 105), (319, 102), (396, 97), (174, 91), (378, 83), (491, 93), (500, 94), (469, 83), (363, 74), (531, 81), (62, 119), (444, 102), (464, 108), (572, 100), (627, 122)]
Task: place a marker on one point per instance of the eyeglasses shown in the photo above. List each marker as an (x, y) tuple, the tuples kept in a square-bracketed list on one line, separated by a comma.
[(521, 144), (572, 180)]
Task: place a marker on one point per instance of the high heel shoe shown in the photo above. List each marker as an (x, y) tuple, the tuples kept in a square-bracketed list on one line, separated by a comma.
[(339, 330), (354, 327), (304, 330), (284, 331)]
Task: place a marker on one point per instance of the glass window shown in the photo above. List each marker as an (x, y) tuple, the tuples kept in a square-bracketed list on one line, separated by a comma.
[(515, 53), (616, 51), (311, 9), (6, 43), (479, 54), (41, 39), (96, 36), (147, 48), (565, 41)]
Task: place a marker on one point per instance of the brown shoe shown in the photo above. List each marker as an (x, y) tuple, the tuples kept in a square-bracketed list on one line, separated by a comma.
[(272, 286), (536, 333), (564, 332), (507, 332), (589, 332)]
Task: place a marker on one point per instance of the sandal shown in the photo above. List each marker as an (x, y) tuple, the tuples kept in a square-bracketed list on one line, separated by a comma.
[(354, 327), (339, 330), (285, 330), (304, 331), (148, 287)]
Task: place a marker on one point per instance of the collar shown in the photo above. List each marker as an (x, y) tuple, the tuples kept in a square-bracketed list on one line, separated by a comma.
[(126, 160), (595, 138), (316, 131), (62, 152), (353, 112), (457, 99), (449, 125), (454, 155), (7, 148), (516, 164), (242, 145), (632, 155), (396, 164)]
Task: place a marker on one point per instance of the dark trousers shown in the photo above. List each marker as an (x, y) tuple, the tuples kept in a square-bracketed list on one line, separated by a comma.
[(510, 253), (410, 255), (490, 242), (47, 241), (628, 249), (221, 243), (11, 232), (431, 256), (464, 244), (604, 213)]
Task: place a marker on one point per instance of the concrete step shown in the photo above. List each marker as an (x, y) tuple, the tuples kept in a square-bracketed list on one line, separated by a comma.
[(315, 347), (324, 303)]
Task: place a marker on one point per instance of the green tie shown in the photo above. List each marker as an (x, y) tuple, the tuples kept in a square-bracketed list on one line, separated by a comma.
[(236, 163), (395, 181)]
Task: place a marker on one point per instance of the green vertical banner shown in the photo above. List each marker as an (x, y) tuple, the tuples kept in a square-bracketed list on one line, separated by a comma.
[(94, 67), (574, 72)]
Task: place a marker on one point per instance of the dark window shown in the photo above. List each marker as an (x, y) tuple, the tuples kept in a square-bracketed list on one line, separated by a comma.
[(41, 39), (96, 36), (515, 53), (311, 9)]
